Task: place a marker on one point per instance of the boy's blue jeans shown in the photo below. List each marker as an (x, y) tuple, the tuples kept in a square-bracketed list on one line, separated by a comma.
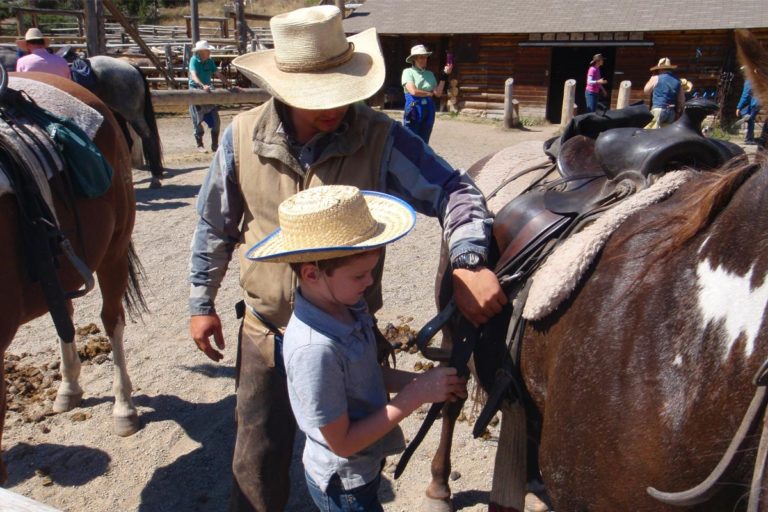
[(336, 499)]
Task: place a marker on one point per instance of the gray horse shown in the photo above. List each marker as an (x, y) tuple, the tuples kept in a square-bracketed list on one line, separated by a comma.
[(125, 90)]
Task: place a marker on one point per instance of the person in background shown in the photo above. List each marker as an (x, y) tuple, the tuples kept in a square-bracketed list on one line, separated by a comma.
[(333, 237), (595, 82), (421, 87), (315, 130), (667, 94), (38, 58), (202, 69), (747, 109)]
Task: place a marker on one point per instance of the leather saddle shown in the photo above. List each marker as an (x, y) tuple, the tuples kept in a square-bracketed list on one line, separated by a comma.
[(598, 168)]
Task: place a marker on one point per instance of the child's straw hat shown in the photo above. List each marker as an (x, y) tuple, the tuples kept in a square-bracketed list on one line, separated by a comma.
[(333, 221)]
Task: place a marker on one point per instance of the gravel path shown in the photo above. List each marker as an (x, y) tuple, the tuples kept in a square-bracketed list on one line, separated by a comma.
[(179, 460)]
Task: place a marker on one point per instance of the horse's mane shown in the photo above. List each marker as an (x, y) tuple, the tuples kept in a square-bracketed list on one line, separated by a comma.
[(696, 206)]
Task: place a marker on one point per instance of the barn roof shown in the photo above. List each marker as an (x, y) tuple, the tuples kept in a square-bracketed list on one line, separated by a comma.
[(545, 16)]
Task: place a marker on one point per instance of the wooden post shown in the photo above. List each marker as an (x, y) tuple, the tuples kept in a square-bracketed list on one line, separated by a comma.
[(169, 59), (20, 28), (95, 36), (136, 37), (624, 90), (508, 117), (569, 98), (194, 20), (242, 27)]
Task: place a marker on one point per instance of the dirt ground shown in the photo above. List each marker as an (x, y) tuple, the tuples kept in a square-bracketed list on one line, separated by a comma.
[(179, 460)]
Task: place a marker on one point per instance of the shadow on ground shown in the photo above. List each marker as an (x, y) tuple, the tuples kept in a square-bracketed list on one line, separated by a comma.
[(66, 465)]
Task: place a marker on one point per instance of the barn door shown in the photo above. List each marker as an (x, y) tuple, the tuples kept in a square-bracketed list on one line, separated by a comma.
[(573, 62)]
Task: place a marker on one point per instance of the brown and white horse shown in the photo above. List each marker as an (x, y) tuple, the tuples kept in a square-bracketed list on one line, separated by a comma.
[(107, 224), (642, 378)]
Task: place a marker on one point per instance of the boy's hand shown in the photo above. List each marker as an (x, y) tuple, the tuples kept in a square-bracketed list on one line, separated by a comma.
[(438, 385)]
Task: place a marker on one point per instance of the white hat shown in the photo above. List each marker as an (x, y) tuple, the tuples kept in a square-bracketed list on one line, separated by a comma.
[(664, 63), (32, 34), (202, 45), (331, 221), (314, 65), (416, 51)]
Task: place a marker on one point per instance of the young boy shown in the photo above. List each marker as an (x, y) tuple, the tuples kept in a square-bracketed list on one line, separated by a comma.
[(333, 237)]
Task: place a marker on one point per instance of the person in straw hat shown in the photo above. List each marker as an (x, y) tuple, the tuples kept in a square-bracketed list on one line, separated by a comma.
[(316, 130), (667, 94), (202, 69), (333, 238), (421, 87), (38, 58)]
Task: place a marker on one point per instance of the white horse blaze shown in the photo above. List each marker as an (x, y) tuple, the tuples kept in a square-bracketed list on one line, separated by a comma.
[(728, 297)]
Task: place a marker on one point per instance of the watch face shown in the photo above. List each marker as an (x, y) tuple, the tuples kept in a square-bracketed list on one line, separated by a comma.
[(468, 260), (472, 259)]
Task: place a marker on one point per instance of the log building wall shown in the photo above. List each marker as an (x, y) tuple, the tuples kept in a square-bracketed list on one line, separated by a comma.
[(484, 61)]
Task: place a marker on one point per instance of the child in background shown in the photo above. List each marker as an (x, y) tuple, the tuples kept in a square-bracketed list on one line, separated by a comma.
[(333, 237)]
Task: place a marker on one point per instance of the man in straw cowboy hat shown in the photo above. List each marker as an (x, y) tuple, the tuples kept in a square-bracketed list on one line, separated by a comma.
[(667, 94), (333, 237), (202, 69), (38, 57), (314, 131)]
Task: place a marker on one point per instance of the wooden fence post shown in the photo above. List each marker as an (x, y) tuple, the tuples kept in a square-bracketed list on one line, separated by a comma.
[(509, 120), (194, 19), (624, 90), (94, 28), (569, 98), (242, 32)]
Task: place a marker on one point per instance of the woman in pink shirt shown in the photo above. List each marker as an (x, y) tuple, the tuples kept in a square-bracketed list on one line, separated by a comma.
[(38, 58), (594, 82)]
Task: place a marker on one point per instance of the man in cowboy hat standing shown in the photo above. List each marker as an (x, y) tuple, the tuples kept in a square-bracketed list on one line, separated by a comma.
[(315, 131), (201, 72), (38, 58), (667, 94)]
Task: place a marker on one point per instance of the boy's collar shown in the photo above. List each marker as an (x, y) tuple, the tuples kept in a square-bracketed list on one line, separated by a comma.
[(325, 323)]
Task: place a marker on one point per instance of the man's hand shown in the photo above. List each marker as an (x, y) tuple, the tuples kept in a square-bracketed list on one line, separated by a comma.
[(201, 328), (478, 294)]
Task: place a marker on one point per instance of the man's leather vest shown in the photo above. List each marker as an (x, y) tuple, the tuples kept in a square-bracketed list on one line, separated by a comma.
[(268, 173)]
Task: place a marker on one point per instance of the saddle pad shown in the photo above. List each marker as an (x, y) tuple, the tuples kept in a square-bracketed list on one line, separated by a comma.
[(63, 105), (60, 103), (504, 164), (562, 271)]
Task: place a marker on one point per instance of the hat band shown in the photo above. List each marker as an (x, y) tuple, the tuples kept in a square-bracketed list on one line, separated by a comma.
[(309, 67)]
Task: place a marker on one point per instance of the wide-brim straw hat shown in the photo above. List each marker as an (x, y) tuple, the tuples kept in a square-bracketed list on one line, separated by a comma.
[(686, 84), (32, 34), (417, 51), (333, 221), (664, 63), (314, 65)]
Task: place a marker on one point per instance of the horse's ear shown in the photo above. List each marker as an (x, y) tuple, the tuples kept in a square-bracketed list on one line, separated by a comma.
[(754, 58)]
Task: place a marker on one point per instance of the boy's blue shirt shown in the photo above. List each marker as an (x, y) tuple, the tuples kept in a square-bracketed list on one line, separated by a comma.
[(332, 370)]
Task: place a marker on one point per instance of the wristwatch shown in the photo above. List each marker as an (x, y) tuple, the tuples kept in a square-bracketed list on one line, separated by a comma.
[(469, 260)]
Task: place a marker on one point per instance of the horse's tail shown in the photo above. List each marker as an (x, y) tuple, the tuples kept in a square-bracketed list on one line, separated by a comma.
[(153, 149), (134, 298)]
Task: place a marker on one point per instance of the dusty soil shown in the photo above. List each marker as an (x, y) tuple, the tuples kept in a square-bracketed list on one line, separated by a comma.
[(180, 458)]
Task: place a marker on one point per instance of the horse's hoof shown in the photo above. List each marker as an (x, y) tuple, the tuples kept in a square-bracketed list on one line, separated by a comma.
[(155, 183), (125, 426), (65, 403), (437, 505)]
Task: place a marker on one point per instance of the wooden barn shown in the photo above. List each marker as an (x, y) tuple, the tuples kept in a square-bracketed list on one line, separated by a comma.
[(542, 43)]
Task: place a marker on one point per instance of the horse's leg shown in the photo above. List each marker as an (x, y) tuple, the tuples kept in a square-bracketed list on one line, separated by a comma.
[(113, 281), (439, 492), (70, 393)]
